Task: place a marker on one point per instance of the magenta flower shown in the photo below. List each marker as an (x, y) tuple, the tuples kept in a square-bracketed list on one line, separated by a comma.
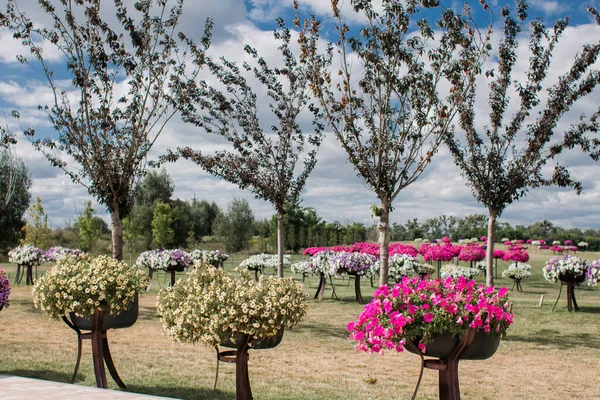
[(498, 253), (516, 254), (472, 253)]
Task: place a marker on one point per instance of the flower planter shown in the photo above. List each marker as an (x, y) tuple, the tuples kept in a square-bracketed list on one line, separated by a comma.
[(569, 280), (356, 286), (448, 350), (98, 325), (242, 344), (517, 284)]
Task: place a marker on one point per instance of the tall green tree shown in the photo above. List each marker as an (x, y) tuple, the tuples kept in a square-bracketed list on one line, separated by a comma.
[(506, 159), (391, 114), (14, 196), (272, 162), (88, 227), (155, 187), (235, 227), (37, 230), (108, 135), (162, 232)]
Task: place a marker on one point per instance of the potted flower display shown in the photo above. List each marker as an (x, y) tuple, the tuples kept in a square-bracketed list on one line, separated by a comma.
[(95, 294), (401, 265), (26, 257), (356, 265), (4, 290), (54, 254), (214, 258), (517, 272), (260, 262), (593, 273), (451, 319), (456, 271), (163, 260), (213, 308), (571, 271), (320, 263)]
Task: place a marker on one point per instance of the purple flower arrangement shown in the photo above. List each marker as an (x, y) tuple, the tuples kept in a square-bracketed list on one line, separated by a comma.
[(353, 263), (4, 290)]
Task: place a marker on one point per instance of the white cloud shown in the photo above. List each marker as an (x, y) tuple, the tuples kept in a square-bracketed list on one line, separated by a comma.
[(550, 7)]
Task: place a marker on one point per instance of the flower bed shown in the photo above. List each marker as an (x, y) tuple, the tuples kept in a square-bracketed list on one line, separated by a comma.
[(419, 309), (81, 284)]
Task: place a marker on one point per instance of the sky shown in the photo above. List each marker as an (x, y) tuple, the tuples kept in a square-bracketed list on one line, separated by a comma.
[(333, 189)]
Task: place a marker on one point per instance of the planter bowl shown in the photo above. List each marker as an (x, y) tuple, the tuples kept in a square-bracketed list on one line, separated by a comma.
[(483, 347), (125, 319)]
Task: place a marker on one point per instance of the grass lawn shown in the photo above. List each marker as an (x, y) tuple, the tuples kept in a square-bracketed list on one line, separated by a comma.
[(546, 354)]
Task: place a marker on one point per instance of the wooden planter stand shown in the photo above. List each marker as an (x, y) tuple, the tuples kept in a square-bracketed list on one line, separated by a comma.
[(517, 284), (100, 351), (151, 273), (321, 289)]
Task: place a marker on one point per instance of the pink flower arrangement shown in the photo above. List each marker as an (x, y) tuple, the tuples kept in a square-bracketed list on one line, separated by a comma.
[(438, 253), (366, 248), (529, 241), (508, 243), (417, 309), (516, 254), (520, 241), (424, 248), (340, 249), (543, 247), (568, 242), (483, 239), (311, 251), (471, 253), (557, 249), (446, 239), (498, 253), (399, 248)]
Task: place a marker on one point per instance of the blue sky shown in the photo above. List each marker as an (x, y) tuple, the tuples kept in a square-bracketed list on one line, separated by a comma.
[(333, 189)]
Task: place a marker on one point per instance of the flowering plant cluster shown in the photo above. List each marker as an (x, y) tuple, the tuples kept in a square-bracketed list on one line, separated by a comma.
[(565, 267), (568, 242), (498, 253), (517, 271), (354, 263), (439, 253), (321, 263), (417, 309), (457, 271), (311, 251), (301, 268), (517, 254), (260, 262), (583, 244), (471, 253), (593, 273), (26, 255), (164, 259), (211, 307), (214, 258), (82, 284), (557, 249), (401, 265), (4, 290), (53, 254)]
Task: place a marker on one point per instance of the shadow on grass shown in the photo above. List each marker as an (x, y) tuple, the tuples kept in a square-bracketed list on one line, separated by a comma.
[(181, 392), (554, 338), (46, 375)]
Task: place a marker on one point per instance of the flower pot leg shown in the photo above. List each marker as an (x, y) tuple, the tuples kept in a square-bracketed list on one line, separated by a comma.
[(110, 364), (97, 349), (321, 288), (79, 344), (558, 298), (172, 277), (29, 277), (17, 275), (357, 289), (150, 273), (242, 381), (333, 293), (571, 302)]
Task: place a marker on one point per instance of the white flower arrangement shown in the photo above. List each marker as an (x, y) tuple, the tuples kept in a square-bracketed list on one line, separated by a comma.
[(517, 271), (456, 271), (260, 262), (566, 266), (301, 268), (583, 244), (26, 255), (81, 284), (536, 243), (593, 273), (556, 243), (481, 265), (401, 265), (212, 307), (505, 240), (164, 259), (320, 263), (56, 253), (214, 258), (418, 240)]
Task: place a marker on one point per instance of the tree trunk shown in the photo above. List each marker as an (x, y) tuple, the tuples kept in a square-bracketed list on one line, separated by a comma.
[(280, 243), (491, 238), (117, 235), (384, 241)]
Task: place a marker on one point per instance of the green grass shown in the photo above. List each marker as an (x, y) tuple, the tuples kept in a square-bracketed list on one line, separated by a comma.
[(546, 355)]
